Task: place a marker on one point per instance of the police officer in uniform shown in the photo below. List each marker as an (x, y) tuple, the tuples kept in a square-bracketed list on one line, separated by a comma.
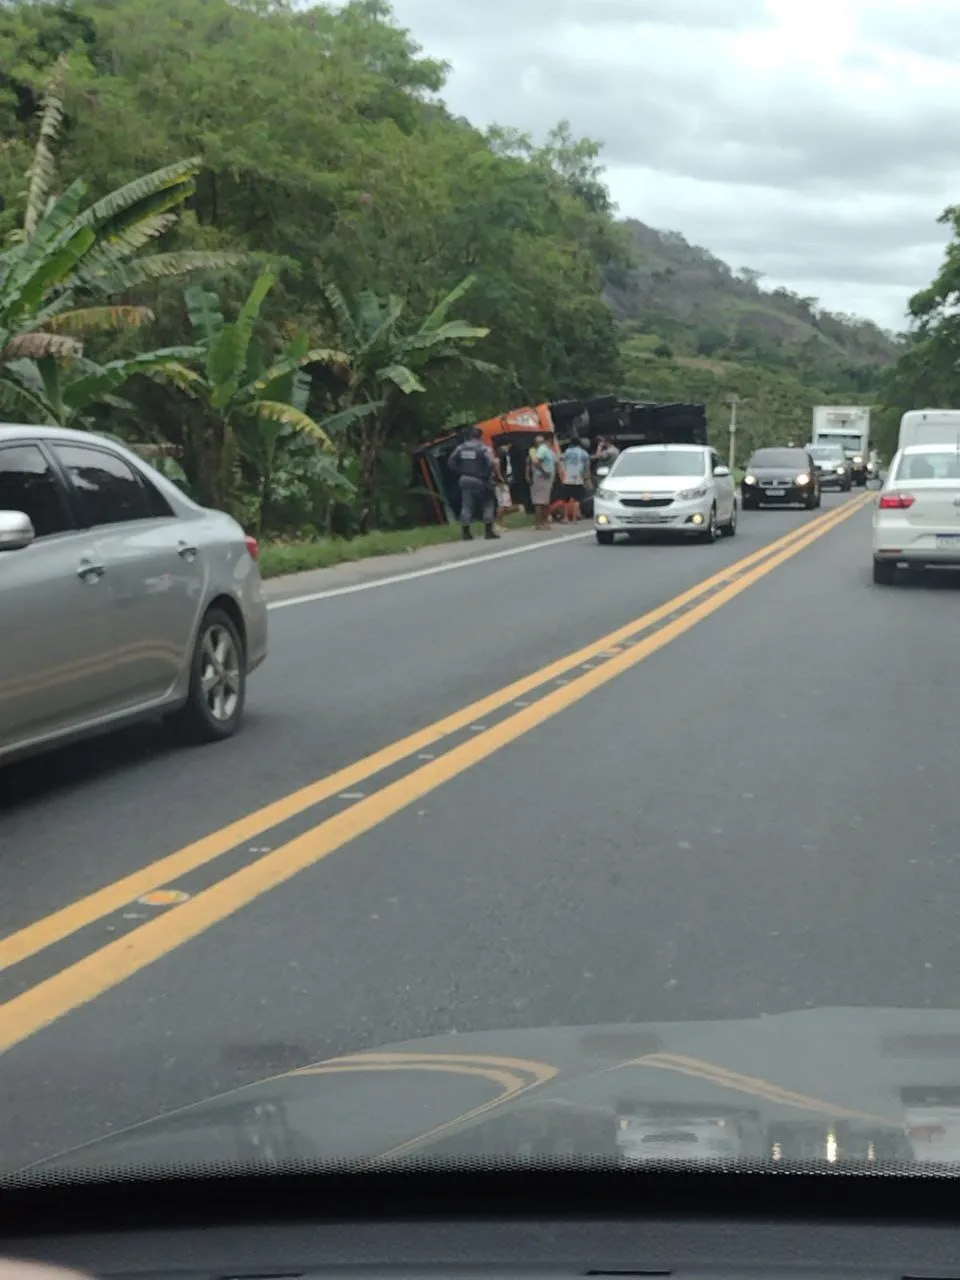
[(474, 463)]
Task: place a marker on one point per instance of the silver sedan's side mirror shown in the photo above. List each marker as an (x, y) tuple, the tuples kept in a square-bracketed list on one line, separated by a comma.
[(16, 530)]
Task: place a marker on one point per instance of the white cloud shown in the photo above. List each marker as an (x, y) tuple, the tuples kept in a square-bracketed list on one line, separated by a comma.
[(811, 139)]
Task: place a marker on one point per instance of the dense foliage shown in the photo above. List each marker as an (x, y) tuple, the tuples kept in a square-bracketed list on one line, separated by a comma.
[(326, 156), (367, 270), (928, 372)]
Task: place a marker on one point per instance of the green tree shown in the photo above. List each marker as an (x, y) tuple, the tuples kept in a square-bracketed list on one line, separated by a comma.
[(348, 168), (239, 404), (385, 363), (928, 371), (64, 265)]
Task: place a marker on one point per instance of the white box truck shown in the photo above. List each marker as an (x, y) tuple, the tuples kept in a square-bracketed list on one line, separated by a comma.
[(929, 426), (848, 426)]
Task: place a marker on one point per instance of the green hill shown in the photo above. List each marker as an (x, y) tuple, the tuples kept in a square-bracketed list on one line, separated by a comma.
[(692, 328)]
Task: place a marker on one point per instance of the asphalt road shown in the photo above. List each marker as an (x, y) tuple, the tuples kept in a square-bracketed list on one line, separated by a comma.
[(758, 813)]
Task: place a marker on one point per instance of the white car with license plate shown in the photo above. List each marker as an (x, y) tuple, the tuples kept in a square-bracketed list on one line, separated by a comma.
[(666, 488), (916, 522)]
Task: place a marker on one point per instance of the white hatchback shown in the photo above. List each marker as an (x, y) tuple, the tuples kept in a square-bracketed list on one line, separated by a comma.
[(666, 488), (917, 518)]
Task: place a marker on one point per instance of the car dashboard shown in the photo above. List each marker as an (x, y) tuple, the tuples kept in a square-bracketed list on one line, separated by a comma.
[(692, 1227)]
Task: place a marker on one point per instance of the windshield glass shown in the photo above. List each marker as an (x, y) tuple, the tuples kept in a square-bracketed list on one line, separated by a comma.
[(826, 451), (778, 458), (932, 465), (445, 714), (660, 462)]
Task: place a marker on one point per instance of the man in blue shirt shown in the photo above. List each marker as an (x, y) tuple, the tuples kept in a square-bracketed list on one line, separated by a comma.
[(576, 473)]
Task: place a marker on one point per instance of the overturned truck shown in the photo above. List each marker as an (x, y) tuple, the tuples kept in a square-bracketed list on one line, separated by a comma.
[(630, 422), (624, 422)]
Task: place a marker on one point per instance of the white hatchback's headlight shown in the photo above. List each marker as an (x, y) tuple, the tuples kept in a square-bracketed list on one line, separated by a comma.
[(607, 495), (699, 492)]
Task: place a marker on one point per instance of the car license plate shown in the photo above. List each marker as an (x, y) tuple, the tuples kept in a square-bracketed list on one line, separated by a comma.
[(776, 493), (948, 539)]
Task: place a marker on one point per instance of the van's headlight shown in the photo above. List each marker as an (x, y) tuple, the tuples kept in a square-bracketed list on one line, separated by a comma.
[(803, 478), (858, 458), (841, 470), (749, 479), (686, 494)]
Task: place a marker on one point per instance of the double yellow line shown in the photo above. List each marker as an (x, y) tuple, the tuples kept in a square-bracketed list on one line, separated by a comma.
[(113, 963)]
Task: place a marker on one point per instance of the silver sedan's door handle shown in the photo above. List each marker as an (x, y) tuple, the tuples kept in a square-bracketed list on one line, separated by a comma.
[(186, 552), (89, 572)]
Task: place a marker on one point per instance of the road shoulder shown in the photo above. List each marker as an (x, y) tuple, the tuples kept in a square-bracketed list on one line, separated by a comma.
[(424, 559)]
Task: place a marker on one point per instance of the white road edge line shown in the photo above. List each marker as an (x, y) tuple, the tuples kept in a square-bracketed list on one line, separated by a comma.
[(427, 573)]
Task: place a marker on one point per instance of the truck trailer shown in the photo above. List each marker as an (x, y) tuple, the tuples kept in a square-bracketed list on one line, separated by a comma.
[(848, 426)]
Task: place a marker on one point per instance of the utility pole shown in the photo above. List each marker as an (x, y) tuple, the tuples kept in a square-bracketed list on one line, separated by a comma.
[(733, 401)]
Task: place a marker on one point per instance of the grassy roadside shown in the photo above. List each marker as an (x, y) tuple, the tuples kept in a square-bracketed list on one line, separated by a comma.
[(278, 558)]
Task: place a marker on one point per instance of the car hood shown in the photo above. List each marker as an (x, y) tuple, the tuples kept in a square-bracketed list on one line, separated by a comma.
[(626, 486), (865, 1087)]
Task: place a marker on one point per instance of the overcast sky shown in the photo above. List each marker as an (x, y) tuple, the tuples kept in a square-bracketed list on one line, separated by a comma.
[(814, 140)]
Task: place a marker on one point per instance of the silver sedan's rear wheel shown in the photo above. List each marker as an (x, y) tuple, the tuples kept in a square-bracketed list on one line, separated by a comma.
[(218, 681)]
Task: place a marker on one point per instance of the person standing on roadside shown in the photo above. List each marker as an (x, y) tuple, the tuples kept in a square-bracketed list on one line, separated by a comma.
[(576, 468), (543, 471), (606, 452), (503, 491), (472, 461)]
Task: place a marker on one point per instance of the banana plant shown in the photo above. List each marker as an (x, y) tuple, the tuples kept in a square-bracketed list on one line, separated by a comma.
[(65, 391), (62, 267), (389, 362), (243, 405)]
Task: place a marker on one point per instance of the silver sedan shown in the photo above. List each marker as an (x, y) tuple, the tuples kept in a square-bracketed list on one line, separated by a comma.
[(120, 598)]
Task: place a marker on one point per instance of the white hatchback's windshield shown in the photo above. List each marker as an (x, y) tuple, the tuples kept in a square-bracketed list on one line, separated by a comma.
[(661, 462)]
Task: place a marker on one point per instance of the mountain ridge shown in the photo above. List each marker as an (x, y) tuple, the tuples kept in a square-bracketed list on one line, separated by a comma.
[(697, 305)]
